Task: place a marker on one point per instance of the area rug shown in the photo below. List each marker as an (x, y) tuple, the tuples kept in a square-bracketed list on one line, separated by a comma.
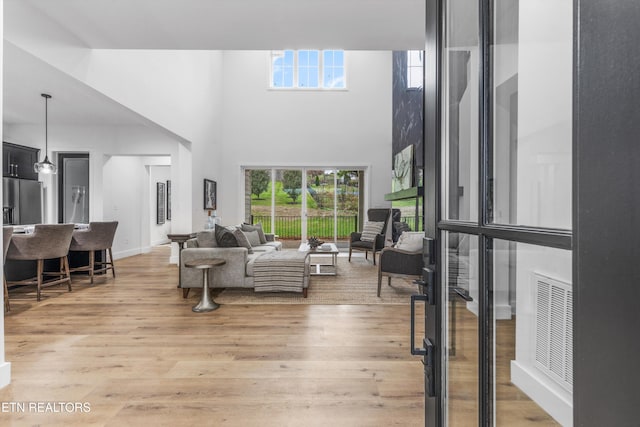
[(356, 283)]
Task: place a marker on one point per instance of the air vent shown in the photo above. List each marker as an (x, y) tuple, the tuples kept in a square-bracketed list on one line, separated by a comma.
[(554, 329)]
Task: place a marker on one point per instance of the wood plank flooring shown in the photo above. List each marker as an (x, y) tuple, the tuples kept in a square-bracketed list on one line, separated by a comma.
[(132, 348)]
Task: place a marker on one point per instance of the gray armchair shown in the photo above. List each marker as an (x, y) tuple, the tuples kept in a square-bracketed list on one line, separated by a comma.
[(399, 263), (357, 244)]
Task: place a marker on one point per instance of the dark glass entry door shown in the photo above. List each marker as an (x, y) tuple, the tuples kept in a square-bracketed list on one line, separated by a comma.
[(498, 190)]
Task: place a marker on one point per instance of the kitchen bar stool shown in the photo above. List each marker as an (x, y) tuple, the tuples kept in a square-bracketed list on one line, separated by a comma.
[(98, 237), (6, 239), (48, 241)]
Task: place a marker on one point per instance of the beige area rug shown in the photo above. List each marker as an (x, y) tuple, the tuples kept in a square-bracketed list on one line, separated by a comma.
[(356, 283)]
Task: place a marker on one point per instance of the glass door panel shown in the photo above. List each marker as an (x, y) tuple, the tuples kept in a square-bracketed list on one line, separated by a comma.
[(461, 374), (348, 187), (532, 113), (460, 110), (287, 201), (533, 331), (74, 197), (258, 192), (321, 197)]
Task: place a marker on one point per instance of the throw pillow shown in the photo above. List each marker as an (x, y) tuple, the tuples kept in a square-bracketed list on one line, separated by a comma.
[(410, 241), (242, 240), (252, 237), (255, 227), (370, 230), (206, 239), (225, 237)]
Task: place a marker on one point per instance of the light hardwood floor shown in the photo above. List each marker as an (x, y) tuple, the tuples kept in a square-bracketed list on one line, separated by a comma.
[(132, 348)]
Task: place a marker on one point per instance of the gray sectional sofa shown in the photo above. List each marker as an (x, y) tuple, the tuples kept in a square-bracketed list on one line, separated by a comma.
[(237, 272)]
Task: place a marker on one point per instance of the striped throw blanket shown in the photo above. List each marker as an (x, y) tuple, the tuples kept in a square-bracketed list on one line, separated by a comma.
[(279, 271)]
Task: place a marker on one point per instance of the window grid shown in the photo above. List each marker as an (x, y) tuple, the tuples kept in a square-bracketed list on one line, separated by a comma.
[(307, 69), (415, 66)]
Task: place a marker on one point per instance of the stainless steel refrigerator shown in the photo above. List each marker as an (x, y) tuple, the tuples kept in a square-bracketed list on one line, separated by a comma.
[(21, 201)]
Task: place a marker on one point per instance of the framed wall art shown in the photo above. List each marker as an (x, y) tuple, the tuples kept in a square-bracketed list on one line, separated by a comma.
[(160, 203), (210, 195), (168, 200)]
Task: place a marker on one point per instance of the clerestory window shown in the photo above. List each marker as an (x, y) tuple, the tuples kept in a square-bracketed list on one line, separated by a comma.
[(308, 69)]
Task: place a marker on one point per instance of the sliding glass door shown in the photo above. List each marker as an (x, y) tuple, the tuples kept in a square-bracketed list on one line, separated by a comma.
[(298, 203)]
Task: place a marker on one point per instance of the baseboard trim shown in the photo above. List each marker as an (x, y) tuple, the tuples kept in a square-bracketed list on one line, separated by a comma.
[(127, 253), (5, 374), (557, 403)]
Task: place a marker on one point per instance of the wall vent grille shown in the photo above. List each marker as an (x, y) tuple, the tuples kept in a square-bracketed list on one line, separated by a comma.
[(554, 329)]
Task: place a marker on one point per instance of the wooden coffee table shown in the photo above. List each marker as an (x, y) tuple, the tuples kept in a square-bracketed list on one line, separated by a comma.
[(319, 268)]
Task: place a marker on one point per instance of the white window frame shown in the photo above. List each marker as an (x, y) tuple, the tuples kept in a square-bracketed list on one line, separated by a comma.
[(415, 67), (295, 86)]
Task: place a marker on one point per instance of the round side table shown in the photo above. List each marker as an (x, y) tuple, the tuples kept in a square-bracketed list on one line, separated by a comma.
[(206, 303)]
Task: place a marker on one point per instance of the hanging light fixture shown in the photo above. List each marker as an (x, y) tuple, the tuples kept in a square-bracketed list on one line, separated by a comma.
[(45, 166)]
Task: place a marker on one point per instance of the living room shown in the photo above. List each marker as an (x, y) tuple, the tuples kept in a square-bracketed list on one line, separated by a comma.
[(192, 111), (144, 107)]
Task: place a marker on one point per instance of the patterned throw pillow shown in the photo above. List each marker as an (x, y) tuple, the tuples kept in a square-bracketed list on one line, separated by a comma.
[(370, 230), (242, 240), (255, 227), (225, 237)]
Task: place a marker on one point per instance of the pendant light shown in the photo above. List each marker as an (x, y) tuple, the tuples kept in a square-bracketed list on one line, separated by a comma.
[(45, 166)]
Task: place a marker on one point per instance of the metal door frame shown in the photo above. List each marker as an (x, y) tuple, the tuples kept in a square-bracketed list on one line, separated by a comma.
[(435, 226)]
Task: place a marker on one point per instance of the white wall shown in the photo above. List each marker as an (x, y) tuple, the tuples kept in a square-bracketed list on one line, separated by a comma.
[(263, 127), (545, 113), (126, 173), (543, 174)]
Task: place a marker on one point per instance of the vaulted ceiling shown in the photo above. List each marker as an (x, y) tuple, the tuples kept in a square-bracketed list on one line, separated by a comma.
[(189, 25)]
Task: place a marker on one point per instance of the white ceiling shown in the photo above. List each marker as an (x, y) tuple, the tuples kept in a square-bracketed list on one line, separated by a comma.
[(190, 24), (72, 102), (241, 24)]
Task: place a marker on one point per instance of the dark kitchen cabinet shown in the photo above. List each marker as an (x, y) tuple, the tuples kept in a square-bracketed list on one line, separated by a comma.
[(18, 161)]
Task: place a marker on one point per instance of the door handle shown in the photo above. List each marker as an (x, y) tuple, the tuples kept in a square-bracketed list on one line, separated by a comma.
[(416, 351), (429, 369), (462, 293)]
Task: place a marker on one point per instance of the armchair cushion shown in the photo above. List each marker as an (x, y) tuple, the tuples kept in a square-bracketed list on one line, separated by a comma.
[(401, 262), (370, 230), (410, 241)]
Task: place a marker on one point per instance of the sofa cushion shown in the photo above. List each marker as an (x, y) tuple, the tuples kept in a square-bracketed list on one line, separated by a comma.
[(225, 237), (255, 227), (242, 240), (206, 239), (250, 259), (253, 237), (264, 248), (370, 230), (275, 245)]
